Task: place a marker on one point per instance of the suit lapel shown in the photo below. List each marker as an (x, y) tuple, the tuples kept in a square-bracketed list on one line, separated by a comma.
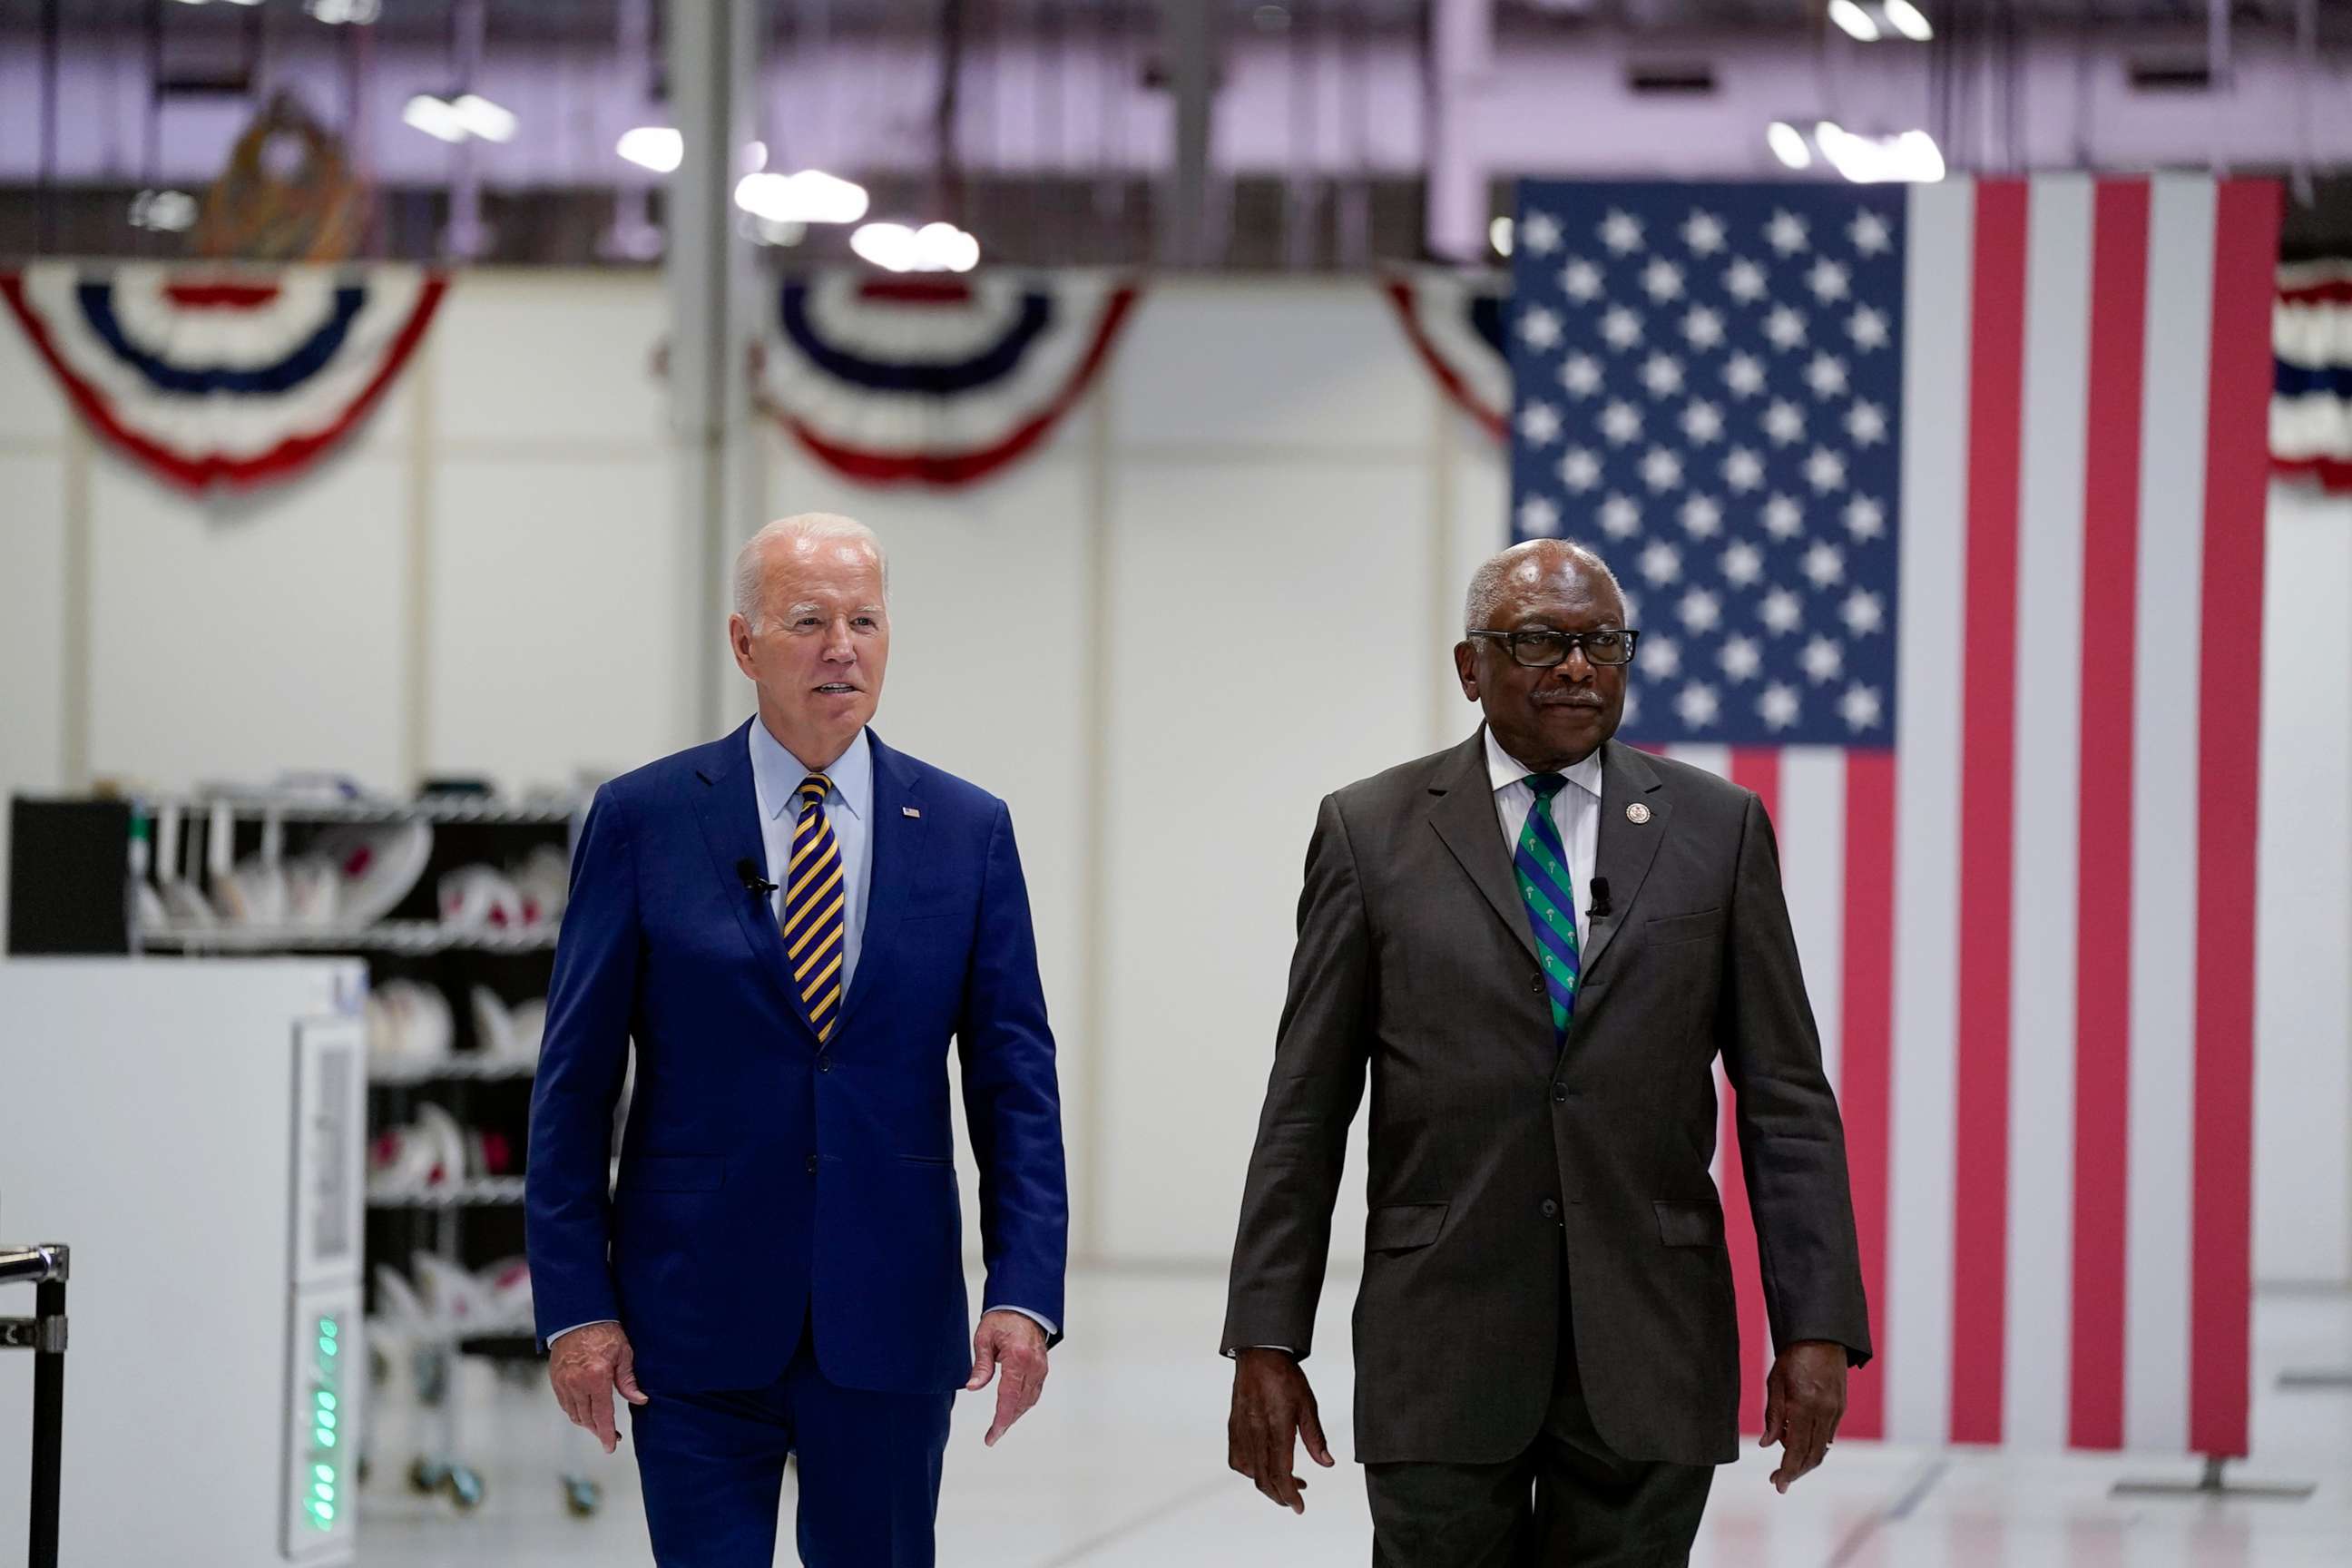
[(729, 812), (895, 843), (1465, 819), (1627, 846)]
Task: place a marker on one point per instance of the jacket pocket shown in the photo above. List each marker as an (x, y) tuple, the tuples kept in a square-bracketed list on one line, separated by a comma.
[(673, 1173), (1400, 1227), (1689, 1224), (1665, 930), (927, 1159)]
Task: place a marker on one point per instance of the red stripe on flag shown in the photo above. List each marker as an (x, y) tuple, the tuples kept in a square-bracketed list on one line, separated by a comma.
[(2246, 226), (1987, 712), (1866, 1055), (2103, 869), (220, 296), (1757, 768)]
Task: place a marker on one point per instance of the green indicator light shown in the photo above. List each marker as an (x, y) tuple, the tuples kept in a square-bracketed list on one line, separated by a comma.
[(326, 1346), (327, 1327), (326, 1493), (326, 1400), (326, 1439), (327, 1419), (324, 1472), (326, 1510)]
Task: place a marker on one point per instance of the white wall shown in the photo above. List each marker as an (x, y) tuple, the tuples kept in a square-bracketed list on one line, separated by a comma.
[(1226, 587)]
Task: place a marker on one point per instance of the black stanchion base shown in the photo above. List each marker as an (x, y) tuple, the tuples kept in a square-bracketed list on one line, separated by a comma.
[(2211, 1484)]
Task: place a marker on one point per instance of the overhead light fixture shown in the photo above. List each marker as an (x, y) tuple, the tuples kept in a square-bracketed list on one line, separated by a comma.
[(456, 119), (1909, 20), (1789, 145), (165, 212), (344, 12), (433, 116), (934, 248), (660, 148), (1909, 158), (810, 196), (484, 119), (1500, 233), (1854, 21)]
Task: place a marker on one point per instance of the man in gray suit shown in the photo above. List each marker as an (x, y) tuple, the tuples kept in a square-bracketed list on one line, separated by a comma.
[(1539, 942)]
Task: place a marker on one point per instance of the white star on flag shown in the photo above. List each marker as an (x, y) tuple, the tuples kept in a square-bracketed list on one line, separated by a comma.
[(1620, 328), (1662, 471), (1539, 516), (1540, 328), (1825, 470), (1824, 563), (1784, 517), (1580, 469), (1826, 375), (1580, 281), (1869, 233), (1865, 519), (1663, 374), (1742, 564), (1620, 517), (1860, 707), (1539, 424), (1786, 233), (1744, 280), (1828, 280), (1744, 374), (1822, 660), (1539, 234), (1621, 231), (1661, 655), (1862, 613), (1867, 328), (1702, 517), (1866, 422), (1660, 563), (1696, 705), (1784, 422), (1778, 706), (1743, 471), (1781, 612), (1621, 423), (1580, 374), (1740, 659), (1703, 232), (1703, 422), (1699, 611), (1662, 280), (1785, 327), (1703, 329)]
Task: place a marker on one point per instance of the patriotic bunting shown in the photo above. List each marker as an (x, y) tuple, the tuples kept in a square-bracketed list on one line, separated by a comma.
[(940, 380), (1454, 322), (2311, 397), (222, 378)]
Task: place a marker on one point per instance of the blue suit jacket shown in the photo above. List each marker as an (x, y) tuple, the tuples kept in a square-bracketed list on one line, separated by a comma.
[(762, 1178)]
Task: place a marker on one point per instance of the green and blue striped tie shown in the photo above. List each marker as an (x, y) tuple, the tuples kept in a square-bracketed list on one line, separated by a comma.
[(1541, 867)]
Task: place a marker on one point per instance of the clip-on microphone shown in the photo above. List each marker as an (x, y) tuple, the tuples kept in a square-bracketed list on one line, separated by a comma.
[(1600, 909), (752, 881)]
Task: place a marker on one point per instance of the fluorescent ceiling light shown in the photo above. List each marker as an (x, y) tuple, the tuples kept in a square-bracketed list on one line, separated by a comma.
[(1854, 21), (810, 196), (434, 116), (1911, 158), (1909, 20), (934, 248), (1789, 145), (660, 148), (484, 119)]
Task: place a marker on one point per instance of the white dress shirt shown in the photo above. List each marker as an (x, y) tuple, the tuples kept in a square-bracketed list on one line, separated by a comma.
[(776, 776), (1575, 811)]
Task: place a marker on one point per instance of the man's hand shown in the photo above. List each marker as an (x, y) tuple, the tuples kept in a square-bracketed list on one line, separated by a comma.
[(584, 1366), (1272, 1406), (1804, 1400), (1016, 1344)]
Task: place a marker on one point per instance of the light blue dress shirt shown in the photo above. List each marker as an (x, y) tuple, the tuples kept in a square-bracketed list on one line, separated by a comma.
[(776, 776)]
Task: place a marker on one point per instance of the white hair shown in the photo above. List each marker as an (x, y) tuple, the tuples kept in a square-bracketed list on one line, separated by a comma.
[(1486, 583), (752, 561)]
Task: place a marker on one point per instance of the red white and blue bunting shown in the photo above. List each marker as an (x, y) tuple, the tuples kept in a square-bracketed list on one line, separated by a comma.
[(2311, 396), (212, 378), (1454, 322), (940, 380)]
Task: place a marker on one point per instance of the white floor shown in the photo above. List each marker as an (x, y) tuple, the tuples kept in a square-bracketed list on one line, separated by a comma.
[(1124, 1464)]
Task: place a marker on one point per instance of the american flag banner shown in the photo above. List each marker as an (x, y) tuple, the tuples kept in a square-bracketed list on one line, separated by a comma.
[(1941, 509)]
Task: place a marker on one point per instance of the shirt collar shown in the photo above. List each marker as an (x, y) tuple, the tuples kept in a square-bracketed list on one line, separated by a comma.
[(1504, 770), (776, 774)]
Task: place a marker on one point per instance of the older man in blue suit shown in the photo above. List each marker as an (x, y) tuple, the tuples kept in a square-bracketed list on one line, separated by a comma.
[(789, 925)]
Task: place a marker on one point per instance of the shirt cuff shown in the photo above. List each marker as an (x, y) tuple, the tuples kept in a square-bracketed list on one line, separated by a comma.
[(1052, 1331), (589, 1324)]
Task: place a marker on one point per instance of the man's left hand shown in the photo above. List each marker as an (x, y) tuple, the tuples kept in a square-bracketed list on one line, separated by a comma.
[(1017, 1344), (1804, 1400)]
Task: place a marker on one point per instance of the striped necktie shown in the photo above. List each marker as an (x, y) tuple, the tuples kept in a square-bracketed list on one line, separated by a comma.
[(813, 910), (1541, 867)]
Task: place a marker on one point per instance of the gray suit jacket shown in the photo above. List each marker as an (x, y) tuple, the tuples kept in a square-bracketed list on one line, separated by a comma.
[(1490, 1151)]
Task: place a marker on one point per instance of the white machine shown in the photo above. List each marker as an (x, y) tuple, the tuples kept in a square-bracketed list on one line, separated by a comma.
[(195, 1132)]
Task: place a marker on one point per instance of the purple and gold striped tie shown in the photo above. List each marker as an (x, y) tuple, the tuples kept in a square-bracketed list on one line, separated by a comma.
[(814, 921)]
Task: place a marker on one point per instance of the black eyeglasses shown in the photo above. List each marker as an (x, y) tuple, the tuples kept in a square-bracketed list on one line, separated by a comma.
[(1542, 650)]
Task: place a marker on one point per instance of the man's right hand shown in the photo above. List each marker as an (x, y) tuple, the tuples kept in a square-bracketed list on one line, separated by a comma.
[(585, 1366), (1273, 1407)]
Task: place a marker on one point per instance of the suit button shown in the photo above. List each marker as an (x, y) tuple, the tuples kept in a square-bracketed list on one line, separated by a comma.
[(812, 1164), (1559, 1094), (1551, 1210), (1535, 983), (824, 1064)]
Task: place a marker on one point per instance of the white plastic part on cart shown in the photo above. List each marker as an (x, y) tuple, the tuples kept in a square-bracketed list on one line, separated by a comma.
[(254, 893), (410, 1023), (493, 1025), (528, 1023), (314, 887), (545, 882), (378, 866), (480, 897)]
